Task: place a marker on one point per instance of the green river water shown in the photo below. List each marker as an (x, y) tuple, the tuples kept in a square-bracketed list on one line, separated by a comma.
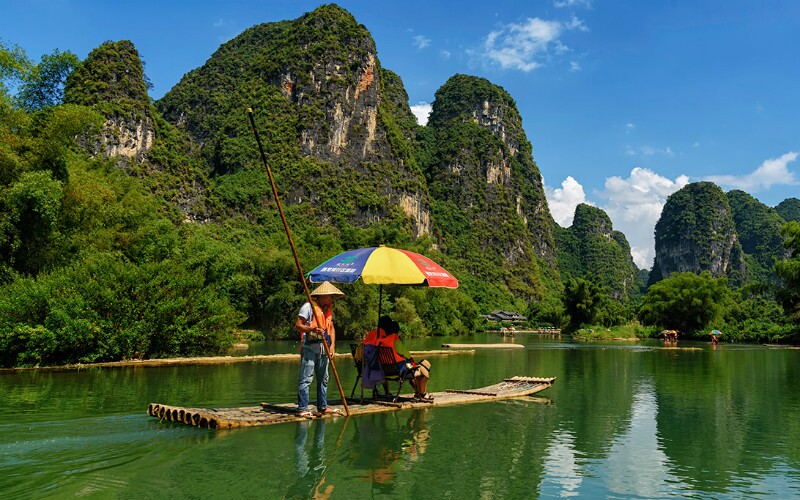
[(623, 420)]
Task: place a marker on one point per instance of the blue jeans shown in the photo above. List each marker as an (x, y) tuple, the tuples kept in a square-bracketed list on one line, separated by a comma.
[(313, 361)]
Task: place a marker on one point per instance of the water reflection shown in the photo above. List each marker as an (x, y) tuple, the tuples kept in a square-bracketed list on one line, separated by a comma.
[(415, 446), (563, 475), (385, 444), (636, 463), (625, 421), (310, 463)]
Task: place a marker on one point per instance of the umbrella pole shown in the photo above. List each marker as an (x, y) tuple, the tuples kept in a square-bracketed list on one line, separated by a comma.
[(380, 301), (297, 259)]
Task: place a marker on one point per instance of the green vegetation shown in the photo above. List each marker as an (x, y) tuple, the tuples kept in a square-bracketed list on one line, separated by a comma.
[(695, 304), (789, 271), (789, 209), (43, 86), (591, 249), (130, 229), (588, 303), (486, 194), (110, 80), (686, 302), (696, 233), (629, 331), (759, 229), (100, 259)]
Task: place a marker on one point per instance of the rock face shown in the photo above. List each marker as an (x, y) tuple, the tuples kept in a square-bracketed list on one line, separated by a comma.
[(111, 80), (488, 191), (696, 233), (128, 139), (328, 112), (593, 250)]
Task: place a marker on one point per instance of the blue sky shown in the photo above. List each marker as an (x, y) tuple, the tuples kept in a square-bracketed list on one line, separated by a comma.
[(624, 101)]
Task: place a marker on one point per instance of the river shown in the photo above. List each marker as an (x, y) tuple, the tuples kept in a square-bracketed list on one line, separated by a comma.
[(623, 420)]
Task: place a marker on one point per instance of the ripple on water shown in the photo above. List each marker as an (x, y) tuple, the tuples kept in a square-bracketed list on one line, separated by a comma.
[(77, 456)]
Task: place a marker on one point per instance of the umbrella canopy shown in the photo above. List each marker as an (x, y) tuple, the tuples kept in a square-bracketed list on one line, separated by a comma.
[(715, 332), (383, 266)]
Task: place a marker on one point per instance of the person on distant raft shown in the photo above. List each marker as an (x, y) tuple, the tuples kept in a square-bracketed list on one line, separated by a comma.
[(419, 373), (313, 359)]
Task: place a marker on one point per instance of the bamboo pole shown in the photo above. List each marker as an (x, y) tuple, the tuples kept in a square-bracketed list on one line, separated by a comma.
[(297, 260)]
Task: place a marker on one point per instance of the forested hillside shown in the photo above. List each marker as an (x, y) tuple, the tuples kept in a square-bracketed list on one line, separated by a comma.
[(759, 230), (696, 233), (488, 198), (591, 249), (789, 209), (131, 229)]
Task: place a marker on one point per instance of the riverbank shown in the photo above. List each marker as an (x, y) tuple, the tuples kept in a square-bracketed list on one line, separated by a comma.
[(215, 360)]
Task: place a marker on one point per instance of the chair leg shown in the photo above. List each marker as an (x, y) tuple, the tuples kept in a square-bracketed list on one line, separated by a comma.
[(399, 388)]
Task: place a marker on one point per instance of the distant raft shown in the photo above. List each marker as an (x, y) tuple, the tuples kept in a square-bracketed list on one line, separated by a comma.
[(483, 346), (269, 414)]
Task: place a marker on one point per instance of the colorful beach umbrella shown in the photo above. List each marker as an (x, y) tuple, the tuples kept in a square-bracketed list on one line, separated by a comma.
[(383, 266)]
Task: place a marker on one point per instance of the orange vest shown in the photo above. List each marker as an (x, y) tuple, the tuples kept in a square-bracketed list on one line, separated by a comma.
[(373, 337), (389, 340), (327, 317)]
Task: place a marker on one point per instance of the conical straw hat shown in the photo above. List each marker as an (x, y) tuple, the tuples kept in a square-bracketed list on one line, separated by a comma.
[(327, 289)]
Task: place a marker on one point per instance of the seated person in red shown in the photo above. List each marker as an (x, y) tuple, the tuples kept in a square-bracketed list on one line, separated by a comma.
[(418, 373), (373, 336), (372, 373)]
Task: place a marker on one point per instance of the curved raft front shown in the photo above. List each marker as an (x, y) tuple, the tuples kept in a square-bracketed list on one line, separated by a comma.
[(268, 414)]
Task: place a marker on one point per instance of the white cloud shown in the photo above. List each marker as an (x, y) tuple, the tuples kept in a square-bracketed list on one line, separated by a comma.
[(646, 150), (563, 201), (634, 205), (630, 127), (572, 3), (573, 66), (445, 54), (524, 45), (771, 172), (576, 24), (421, 42), (421, 111), (227, 27)]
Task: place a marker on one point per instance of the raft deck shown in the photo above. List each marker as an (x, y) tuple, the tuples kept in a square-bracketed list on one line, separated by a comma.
[(483, 346), (268, 414)]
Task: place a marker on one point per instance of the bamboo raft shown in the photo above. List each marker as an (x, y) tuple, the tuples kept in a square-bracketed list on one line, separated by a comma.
[(268, 413), (483, 346)]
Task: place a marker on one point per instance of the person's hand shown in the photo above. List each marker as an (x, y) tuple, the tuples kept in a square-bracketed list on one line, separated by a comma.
[(319, 330)]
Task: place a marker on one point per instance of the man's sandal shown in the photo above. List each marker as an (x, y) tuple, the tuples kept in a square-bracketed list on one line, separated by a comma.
[(306, 414), (331, 411)]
